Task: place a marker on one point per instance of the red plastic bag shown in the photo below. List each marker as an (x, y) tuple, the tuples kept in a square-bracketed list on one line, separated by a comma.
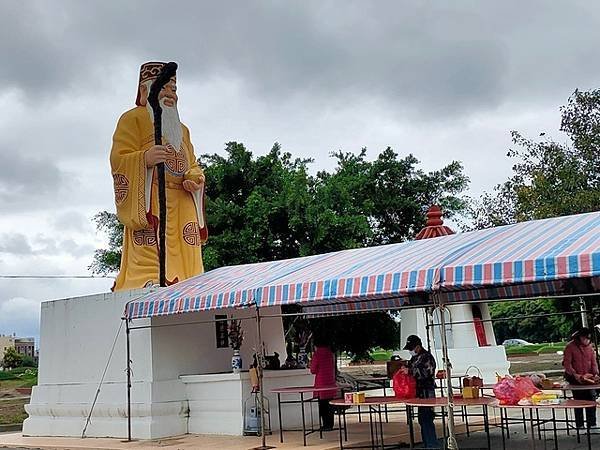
[(405, 386), (525, 387)]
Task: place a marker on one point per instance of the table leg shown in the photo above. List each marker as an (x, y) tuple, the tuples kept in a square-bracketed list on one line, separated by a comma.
[(466, 419), (380, 426), (508, 423), (502, 428), (320, 420), (279, 415), (537, 416), (359, 415), (554, 429), (340, 428), (531, 429), (443, 423), (345, 427), (303, 418), (411, 430), (524, 421), (589, 439), (385, 396), (486, 425), (371, 429)]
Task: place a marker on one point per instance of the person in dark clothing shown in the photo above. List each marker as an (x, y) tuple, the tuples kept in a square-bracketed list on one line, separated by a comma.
[(422, 367), (581, 367)]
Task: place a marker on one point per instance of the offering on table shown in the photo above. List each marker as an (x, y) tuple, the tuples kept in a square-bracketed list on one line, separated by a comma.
[(359, 397), (542, 398), (470, 392)]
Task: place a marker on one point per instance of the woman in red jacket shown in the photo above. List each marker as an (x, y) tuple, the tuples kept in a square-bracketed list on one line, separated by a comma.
[(322, 365), (581, 367)]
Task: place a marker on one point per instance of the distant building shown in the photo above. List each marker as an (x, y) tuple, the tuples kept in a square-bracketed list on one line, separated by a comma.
[(25, 346), (5, 343)]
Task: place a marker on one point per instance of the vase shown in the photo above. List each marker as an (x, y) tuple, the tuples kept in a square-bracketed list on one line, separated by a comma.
[(236, 362), (302, 358)]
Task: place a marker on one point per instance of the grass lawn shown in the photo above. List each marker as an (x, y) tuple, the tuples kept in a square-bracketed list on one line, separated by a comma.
[(17, 378), (551, 347), (381, 355), (12, 411), (548, 347)]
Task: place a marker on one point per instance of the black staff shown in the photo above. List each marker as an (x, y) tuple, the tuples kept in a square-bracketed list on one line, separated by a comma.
[(167, 72)]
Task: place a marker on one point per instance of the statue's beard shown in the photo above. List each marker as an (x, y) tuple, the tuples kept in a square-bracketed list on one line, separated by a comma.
[(171, 125)]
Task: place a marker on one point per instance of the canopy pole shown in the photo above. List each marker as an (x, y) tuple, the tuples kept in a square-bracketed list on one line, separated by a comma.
[(583, 309), (128, 370), (259, 368), (452, 444), (428, 323)]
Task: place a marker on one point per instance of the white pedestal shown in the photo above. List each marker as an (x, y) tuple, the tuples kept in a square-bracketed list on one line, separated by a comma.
[(216, 401), (76, 338)]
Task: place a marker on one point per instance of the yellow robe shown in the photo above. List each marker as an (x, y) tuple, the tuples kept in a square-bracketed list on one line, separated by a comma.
[(136, 198)]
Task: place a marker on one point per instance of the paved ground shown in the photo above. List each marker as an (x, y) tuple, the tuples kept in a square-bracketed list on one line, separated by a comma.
[(395, 432)]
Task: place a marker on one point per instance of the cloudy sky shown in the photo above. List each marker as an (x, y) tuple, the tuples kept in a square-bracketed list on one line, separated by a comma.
[(442, 80)]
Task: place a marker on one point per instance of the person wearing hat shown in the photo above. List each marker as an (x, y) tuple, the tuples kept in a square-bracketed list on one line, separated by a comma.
[(581, 368), (422, 367), (133, 159)]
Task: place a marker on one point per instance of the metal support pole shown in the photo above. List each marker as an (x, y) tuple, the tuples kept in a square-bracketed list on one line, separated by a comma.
[(128, 381), (260, 361), (427, 314), (452, 444), (582, 308)]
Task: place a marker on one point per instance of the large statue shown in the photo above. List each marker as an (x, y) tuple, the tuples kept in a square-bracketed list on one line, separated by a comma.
[(133, 159)]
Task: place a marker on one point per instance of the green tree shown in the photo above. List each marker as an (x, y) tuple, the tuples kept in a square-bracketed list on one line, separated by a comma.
[(11, 358), (550, 178), (537, 328), (28, 361), (108, 260)]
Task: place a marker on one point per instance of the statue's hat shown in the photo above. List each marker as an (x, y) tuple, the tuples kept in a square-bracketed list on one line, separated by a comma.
[(148, 71)]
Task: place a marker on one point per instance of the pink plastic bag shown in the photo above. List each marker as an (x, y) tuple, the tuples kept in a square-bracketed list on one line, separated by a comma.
[(505, 391), (510, 390)]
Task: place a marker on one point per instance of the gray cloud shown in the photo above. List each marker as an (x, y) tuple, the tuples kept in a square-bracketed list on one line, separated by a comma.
[(28, 181), (430, 59), (72, 220), (15, 243), (18, 244)]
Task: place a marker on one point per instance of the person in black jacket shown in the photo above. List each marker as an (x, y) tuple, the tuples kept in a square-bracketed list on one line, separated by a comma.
[(422, 367)]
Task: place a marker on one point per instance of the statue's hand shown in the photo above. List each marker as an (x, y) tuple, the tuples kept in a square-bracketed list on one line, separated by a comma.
[(191, 186), (155, 155)]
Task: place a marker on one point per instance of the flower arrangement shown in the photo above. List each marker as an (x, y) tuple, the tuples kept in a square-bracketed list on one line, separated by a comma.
[(235, 334)]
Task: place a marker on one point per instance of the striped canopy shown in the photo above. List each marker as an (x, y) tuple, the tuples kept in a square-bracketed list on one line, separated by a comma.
[(542, 257)]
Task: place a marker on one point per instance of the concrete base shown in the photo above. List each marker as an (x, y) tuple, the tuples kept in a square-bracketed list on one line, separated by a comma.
[(76, 338), (215, 401)]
